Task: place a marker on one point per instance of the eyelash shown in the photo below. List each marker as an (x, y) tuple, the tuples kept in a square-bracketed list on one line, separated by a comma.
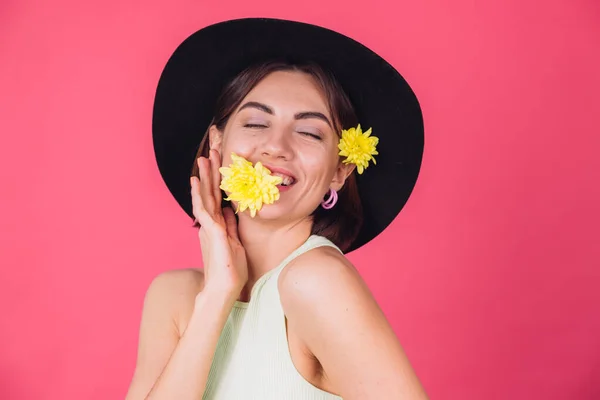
[(258, 126), (312, 135)]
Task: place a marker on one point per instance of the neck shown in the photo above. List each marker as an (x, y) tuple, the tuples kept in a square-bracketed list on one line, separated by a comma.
[(267, 243)]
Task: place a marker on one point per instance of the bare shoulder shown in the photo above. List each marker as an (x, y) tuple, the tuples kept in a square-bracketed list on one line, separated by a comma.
[(177, 284), (168, 305), (333, 314), (322, 274), (173, 293)]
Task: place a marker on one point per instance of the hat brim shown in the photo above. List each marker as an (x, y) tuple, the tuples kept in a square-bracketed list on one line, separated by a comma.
[(200, 67)]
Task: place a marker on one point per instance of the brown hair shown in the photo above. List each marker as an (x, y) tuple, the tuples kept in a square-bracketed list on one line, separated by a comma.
[(342, 223)]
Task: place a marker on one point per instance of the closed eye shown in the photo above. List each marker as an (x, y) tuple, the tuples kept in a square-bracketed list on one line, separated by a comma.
[(262, 126), (311, 135)]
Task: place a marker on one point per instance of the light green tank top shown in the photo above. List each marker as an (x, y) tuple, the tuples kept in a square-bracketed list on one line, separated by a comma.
[(252, 360)]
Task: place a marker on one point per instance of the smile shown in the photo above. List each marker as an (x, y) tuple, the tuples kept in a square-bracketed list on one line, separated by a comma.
[(287, 178)]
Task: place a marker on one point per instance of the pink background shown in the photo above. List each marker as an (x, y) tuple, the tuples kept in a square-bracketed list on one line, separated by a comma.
[(490, 276)]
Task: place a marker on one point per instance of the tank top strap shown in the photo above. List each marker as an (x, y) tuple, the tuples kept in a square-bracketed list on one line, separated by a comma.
[(252, 359), (312, 242)]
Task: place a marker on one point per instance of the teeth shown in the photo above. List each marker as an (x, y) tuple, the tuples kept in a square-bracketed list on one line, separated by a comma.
[(286, 180)]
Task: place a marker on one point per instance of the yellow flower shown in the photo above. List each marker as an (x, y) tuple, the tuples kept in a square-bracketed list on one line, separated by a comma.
[(358, 147), (249, 186)]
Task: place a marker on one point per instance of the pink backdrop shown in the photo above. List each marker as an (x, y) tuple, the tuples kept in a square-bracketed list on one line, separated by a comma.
[(490, 276)]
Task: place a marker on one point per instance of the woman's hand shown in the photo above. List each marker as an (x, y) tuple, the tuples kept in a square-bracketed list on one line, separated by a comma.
[(224, 257)]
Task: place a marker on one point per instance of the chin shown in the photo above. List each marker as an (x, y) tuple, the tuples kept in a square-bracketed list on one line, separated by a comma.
[(274, 212)]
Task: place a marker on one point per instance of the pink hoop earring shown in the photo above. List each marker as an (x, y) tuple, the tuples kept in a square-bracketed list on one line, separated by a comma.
[(331, 200)]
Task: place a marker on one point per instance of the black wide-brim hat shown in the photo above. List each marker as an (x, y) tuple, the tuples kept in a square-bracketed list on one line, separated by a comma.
[(201, 66)]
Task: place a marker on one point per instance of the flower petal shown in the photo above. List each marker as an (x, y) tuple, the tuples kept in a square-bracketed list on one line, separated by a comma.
[(250, 186)]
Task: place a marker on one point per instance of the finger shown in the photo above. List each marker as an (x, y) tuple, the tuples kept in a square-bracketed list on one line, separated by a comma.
[(231, 223), (205, 250), (200, 214), (205, 185), (197, 206), (215, 159)]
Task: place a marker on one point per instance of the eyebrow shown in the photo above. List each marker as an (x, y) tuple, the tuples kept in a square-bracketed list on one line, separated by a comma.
[(301, 115)]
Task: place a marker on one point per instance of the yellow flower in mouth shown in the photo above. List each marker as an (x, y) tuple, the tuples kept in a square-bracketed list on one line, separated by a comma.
[(249, 186), (358, 147)]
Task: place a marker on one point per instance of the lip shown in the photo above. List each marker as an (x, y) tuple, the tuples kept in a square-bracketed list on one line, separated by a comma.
[(284, 188), (284, 172), (280, 170)]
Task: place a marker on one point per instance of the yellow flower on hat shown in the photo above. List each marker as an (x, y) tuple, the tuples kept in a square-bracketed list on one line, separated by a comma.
[(249, 186), (358, 147)]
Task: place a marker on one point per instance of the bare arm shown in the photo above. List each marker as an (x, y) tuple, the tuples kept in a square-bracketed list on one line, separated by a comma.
[(332, 311), (172, 367), (158, 334), (176, 366)]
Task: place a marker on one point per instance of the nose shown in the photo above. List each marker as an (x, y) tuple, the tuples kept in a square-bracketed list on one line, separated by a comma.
[(277, 145)]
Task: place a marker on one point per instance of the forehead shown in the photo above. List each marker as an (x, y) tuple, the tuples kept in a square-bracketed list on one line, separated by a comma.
[(289, 89)]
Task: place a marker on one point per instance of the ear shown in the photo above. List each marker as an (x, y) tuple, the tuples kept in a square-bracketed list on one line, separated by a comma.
[(215, 138), (342, 173)]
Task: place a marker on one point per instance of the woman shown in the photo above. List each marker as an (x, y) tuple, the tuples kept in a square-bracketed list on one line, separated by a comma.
[(278, 312)]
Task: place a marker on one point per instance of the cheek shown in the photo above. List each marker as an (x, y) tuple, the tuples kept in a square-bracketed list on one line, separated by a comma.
[(241, 146), (320, 167)]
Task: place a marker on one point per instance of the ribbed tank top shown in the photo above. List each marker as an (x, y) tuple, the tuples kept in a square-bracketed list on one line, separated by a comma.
[(252, 360)]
